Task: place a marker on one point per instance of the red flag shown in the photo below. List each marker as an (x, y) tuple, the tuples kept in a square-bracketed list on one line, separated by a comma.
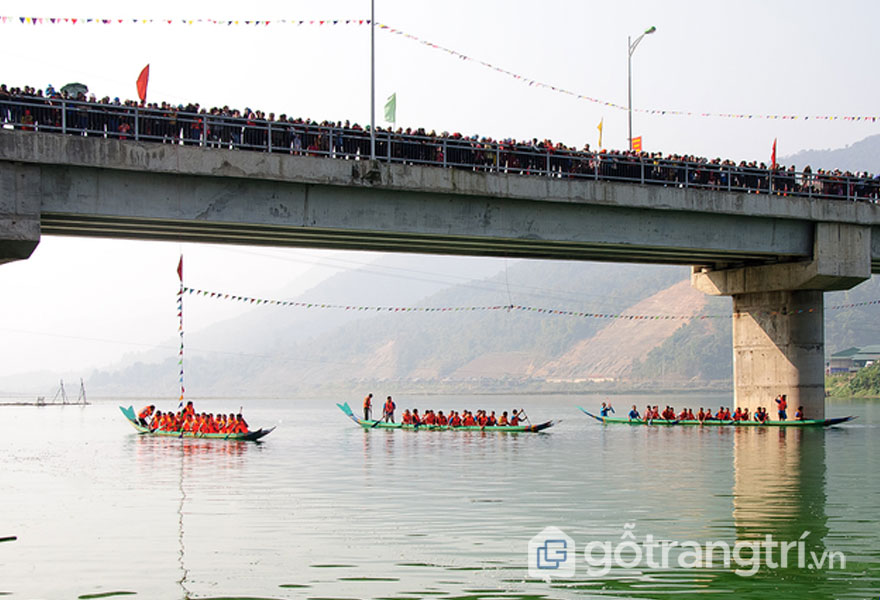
[(773, 155), (142, 81), (637, 144), (180, 268)]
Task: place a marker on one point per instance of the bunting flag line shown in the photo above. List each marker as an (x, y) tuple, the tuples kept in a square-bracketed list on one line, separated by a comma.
[(649, 111), (443, 309), (521, 78), (449, 309), (133, 21)]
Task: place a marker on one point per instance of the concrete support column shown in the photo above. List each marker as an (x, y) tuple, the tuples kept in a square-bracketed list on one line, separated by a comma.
[(779, 348), (778, 318)]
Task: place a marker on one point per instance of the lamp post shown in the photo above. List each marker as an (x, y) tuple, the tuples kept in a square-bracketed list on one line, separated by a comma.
[(631, 47)]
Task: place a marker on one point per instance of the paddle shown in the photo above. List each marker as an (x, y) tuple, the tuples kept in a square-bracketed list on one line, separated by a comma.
[(10, 538), (380, 420)]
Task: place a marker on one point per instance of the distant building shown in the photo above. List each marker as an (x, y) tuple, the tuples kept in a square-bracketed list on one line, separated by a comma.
[(853, 359)]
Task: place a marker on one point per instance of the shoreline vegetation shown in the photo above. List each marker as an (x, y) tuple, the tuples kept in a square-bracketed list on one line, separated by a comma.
[(865, 383)]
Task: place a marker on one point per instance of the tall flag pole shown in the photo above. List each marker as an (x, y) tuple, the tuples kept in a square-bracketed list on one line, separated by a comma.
[(372, 79), (180, 328)]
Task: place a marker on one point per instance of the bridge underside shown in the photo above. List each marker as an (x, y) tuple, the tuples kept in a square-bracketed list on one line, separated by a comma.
[(312, 237)]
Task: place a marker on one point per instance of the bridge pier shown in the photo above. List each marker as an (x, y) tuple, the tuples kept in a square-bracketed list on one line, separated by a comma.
[(778, 318), (19, 211)]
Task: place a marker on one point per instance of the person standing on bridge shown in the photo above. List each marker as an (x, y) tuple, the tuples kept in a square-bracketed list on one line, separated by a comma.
[(368, 406)]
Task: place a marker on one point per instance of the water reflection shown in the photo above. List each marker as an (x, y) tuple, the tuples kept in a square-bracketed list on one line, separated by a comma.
[(162, 459), (779, 491)]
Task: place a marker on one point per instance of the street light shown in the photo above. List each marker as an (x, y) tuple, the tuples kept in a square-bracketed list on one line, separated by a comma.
[(631, 46)]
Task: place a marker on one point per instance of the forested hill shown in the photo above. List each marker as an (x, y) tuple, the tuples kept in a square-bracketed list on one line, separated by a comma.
[(474, 349), (863, 155)]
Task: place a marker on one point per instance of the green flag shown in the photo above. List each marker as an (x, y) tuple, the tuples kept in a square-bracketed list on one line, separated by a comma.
[(391, 108)]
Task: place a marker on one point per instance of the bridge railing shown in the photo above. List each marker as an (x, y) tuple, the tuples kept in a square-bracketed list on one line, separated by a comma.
[(173, 126)]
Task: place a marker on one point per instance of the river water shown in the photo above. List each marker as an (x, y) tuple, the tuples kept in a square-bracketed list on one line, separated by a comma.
[(324, 509)]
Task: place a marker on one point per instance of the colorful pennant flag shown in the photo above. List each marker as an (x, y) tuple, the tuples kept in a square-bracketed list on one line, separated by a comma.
[(391, 109), (142, 81)]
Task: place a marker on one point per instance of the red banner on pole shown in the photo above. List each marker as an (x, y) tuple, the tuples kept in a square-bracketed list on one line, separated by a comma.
[(142, 81)]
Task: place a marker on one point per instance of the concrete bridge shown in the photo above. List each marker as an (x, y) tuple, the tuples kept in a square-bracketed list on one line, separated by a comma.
[(774, 255)]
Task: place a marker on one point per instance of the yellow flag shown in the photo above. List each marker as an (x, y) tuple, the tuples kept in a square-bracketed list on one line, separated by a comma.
[(599, 127)]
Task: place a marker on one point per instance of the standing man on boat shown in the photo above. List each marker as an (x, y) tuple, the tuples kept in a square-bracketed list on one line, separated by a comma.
[(389, 410), (606, 408), (368, 406), (782, 405)]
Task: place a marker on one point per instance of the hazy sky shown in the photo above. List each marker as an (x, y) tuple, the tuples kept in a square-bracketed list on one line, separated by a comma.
[(748, 57)]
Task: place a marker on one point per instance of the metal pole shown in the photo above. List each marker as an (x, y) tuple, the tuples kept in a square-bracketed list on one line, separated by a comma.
[(629, 90), (372, 79)]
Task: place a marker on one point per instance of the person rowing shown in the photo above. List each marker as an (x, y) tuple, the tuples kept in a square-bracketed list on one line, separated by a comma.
[(515, 417), (634, 414), (606, 409), (145, 414), (761, 415), (799, 414)]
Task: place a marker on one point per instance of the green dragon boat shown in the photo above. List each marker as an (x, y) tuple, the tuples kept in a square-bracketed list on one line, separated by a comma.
[(717, 423), (374, 424), (250, 436)]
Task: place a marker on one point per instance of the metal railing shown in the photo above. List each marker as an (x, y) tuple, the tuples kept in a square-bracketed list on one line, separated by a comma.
[(205, 129)]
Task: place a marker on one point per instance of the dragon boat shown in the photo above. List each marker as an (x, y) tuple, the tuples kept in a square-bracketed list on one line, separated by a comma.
[(250, 436), (378, 424), (717, 423)]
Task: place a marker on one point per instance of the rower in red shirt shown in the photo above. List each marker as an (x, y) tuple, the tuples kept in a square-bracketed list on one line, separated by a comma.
[(145, 414)]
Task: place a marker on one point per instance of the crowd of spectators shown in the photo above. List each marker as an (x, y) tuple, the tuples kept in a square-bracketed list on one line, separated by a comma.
[(31, 109)]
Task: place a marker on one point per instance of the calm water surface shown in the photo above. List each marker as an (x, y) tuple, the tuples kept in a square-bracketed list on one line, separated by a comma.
[(324, 509)]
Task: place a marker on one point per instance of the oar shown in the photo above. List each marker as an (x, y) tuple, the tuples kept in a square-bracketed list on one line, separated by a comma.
[(10, 538), (380, 420)]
